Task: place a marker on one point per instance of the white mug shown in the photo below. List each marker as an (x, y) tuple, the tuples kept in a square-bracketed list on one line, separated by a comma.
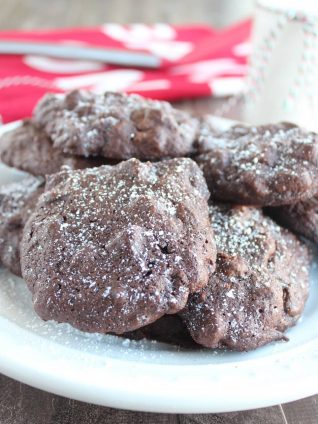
[(283, 79)]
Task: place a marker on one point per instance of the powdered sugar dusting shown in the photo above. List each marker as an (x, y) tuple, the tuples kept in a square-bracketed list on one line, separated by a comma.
[(260, 285), (14, 196), (266, 165), (114, 248), (17, 201), (116, 125)]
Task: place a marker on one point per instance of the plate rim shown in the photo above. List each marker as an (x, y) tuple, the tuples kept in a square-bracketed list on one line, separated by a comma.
[(137, 396), (27, 365)]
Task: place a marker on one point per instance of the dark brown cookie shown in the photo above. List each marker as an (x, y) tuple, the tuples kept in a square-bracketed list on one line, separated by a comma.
[(259, 287), (269, 165), (112, 249), (17, 201), (169, 329), (116, 126), (302, 217), (207, 132), (29, 149)]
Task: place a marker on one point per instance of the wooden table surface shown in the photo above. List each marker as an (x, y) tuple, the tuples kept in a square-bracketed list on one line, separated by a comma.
[(21, 404)]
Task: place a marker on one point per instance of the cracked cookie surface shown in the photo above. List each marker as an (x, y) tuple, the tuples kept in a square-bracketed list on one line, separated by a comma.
[(269, 165), (259, 287), (113, 249), (29, 149), (17, 201), (301, 217), (116, 126)]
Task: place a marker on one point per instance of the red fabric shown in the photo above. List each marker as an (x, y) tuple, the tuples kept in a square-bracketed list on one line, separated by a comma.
[(196, 61)]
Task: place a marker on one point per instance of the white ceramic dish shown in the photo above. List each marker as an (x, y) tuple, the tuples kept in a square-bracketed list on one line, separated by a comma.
[(151, 376)]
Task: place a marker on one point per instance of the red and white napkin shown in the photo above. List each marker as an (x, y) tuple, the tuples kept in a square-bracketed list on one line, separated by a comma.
[(196, 61)]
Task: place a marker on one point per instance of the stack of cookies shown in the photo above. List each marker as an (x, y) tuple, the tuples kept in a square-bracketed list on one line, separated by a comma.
[(145, 221)]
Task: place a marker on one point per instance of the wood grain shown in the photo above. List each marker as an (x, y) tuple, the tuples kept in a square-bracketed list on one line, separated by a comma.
[(21, 404), (302, 412)]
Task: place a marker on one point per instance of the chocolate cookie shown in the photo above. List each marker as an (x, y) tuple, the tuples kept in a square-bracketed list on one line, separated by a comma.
[(116, 126), (268, 165), (208, 131), (259, 287), (169, 329), (29, 149), (17, 200), (302, 217), (112, 249)]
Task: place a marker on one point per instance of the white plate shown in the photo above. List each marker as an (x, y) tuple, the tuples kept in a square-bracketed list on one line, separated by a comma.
[(151, 376)]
